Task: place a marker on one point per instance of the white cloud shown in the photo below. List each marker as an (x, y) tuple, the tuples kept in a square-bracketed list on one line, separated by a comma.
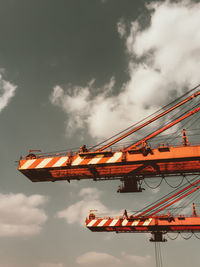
[(76, 213), (121, 27), (137, 260), (51, 265), (21, 215), (7, 91), (164, 59), (97, 259)]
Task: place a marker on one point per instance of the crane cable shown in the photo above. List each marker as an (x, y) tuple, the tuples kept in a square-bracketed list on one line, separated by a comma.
[(151, 115), (153, 187), (169, 197), (172, 238), (176, 186), (158, 255)]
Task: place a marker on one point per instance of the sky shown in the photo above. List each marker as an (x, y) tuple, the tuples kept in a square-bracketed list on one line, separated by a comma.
[(74, 72)]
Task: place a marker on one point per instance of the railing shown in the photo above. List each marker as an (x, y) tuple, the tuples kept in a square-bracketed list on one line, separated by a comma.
[(74, 153)]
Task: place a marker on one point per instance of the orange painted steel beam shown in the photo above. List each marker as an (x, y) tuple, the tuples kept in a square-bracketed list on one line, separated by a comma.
[(113, 165), (160, 223)]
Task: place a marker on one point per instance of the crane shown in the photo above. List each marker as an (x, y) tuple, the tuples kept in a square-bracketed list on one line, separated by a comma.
[(150, 219), (130, 164)]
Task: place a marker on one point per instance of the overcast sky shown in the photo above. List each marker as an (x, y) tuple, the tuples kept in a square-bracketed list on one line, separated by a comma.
[(73, 72)]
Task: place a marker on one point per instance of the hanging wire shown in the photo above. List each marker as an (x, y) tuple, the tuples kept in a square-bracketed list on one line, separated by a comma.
[(164, 202), (158, 254), (153, 187), (190, 182), (172, 186), (172, 238), (166, 196), (186, 237), (195, 234)]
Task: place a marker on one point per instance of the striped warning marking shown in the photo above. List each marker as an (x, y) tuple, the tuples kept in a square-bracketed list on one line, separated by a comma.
[(27, 164), (43, 163), (91, 223), (147, 222), (135, 222), (95, 160), (124, 223), (77, 161), (102, 222), (114, 222), (60, 162), (115, 157)]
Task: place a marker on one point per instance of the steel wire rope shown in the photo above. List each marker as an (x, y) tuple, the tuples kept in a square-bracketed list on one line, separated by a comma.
[(172, 185), (181, 115), (153, 114), (152, 187), (186, 238), (168, 201), (190, 182), (181, 109), (190, 122), (185, 122), (195, 234), (74, 149), (177, 133), (164, 197), (187, 201), (190, 199), (172, 238), (155, 210), (173, 118), (158, 255), (195, 129)]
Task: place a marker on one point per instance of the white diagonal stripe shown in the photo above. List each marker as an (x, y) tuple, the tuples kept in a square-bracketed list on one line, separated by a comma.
[(60, 162), (95, 160), (147, 222), (124, 223), (77, 161), (102, 222), (43, 163), (91, 223), (115, 157), (27, 164), (135, 223), (114, 222)]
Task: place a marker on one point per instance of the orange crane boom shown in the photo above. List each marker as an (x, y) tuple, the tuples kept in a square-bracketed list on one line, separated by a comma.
[(130, 164), (156, 225), (161, 161), (150, 221)]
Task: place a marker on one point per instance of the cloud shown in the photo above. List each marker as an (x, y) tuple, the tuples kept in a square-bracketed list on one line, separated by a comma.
[(7, 91), (121, 28), (164, 60), (93, 258), (137, 260), (97, 259), (21, 215), (76, 213)]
